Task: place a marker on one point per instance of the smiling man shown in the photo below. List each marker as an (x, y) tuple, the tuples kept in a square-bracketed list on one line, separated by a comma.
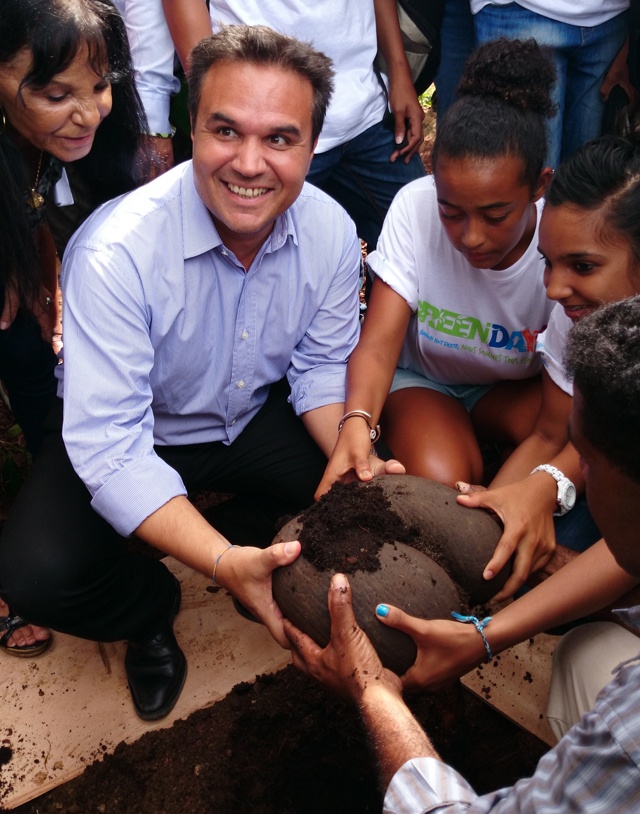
[(196, 308)]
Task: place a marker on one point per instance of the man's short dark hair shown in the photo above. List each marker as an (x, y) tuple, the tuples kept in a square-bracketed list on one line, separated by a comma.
[(603, 355), (261, 45)]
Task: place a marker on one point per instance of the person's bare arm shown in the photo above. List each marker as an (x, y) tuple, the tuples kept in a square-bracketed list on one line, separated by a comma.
[(369, 376), (322, 425), (403, 99), (177, 528), (350, 666), (396, 736), (448, 650), (547, 440), (189, 22), (526, 502)]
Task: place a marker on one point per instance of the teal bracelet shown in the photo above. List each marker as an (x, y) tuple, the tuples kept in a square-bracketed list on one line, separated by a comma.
[(215, 565), (479, 625)]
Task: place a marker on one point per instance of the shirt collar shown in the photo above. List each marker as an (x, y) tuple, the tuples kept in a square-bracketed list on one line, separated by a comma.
[(199, 232)]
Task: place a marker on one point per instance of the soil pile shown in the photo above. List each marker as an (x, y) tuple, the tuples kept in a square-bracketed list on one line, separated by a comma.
[(284, 746), (345, 530)]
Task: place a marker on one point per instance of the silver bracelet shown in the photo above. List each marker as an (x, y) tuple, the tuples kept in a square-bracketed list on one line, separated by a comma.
[(374, 432)]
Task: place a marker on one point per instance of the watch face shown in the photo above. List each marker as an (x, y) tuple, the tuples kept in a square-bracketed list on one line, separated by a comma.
[(566, 495)]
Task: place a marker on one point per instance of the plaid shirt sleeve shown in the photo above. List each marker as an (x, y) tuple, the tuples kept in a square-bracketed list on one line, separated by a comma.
[(594, 769)]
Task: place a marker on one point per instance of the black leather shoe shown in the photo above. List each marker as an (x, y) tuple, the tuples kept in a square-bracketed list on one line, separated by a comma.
[(156, 670)]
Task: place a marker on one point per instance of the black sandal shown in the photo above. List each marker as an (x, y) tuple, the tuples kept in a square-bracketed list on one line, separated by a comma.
[(9, 624)]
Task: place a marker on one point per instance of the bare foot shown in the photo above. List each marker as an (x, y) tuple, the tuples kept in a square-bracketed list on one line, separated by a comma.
[(29, 634)]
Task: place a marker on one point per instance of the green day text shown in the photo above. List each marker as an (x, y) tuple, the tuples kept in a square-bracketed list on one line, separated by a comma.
[(465, 327)]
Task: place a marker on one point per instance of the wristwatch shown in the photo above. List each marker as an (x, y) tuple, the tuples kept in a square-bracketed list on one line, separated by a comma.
[(566, 496)]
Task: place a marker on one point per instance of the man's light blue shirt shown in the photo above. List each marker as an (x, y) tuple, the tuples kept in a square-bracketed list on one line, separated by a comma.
[(169, 341)]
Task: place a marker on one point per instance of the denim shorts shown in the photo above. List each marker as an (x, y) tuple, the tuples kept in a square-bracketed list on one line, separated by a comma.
[(467, 394)]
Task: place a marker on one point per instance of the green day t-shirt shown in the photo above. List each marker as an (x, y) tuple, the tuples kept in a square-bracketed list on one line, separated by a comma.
[(468, 326)]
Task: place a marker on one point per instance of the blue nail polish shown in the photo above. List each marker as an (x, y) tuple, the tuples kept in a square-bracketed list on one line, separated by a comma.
[(382, 610)]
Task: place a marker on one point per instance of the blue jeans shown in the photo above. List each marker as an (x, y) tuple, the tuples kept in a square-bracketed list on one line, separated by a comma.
[(581, 56), (359, 175), (457, 41)]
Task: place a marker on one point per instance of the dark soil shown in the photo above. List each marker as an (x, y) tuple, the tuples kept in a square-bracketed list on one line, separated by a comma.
[(345, 530), (348, 526), (284, 746)]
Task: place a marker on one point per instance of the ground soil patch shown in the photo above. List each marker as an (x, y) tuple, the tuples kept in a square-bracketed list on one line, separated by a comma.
[(284, 746)]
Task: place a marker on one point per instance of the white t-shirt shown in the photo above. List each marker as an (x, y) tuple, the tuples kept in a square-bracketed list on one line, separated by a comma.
[(551, 345), (344, 30), (585, 13), (469, 325)]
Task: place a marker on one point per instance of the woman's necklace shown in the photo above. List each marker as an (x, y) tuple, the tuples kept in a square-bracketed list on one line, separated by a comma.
[(36, 200)]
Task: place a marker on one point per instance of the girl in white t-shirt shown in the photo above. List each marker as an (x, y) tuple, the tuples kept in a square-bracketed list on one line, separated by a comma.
[(458, 297), (590, 241)]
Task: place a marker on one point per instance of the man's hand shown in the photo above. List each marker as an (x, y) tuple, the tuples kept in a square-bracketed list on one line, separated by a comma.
[(351, 459), (349, 664), (446, 649), (246, 573), (526, 510)]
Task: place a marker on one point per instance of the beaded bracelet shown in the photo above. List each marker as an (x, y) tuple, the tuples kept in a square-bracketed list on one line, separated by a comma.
[(374, 432), (215, 567), (479, 625)]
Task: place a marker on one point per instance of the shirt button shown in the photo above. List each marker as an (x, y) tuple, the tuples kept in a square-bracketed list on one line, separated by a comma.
[(240, 384), (244, 335)]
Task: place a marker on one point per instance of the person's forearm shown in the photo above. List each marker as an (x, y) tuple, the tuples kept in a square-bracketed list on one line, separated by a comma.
[(373, 362), (178, 529), (396, 735), (403, 99), (369, 375), (189, 22), (583, 586), (568, 462), (322, 425), (533, 451), (390, 39), (547, 439)]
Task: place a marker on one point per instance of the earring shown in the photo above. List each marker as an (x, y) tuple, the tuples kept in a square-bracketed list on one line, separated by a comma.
[(3, 121)]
